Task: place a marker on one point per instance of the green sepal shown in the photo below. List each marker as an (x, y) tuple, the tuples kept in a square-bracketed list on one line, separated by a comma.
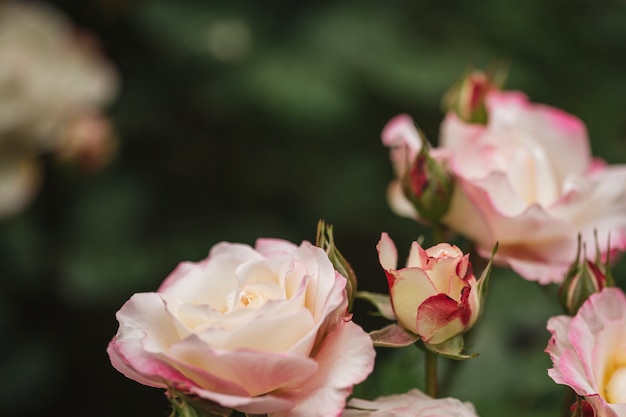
[(451, 348), (325, 240), (382, 302), (393, 336), (483, 281)]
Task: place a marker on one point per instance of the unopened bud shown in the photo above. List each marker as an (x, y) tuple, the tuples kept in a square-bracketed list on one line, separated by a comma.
[(467, 97), (583, 279), (428, 186), (582, 408)]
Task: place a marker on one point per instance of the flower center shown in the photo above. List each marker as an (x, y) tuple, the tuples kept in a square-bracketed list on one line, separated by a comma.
[(616, 387), (255, 294)]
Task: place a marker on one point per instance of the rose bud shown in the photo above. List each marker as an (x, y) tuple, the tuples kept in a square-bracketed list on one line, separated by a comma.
[(423, 187), (582, 408), (428, 186), (583, 279), (436, 296), (467, 97)]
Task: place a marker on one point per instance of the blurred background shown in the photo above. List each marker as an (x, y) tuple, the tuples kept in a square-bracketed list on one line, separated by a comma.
[(242, 119)]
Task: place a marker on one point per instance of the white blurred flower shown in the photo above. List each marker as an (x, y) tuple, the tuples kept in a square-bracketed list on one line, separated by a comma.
[(51, 77)]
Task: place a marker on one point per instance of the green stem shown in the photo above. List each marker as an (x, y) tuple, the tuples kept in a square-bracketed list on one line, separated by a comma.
[(431, 373), (438, 233)]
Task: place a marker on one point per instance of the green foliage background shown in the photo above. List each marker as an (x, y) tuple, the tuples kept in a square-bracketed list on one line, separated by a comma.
[(267, 143)]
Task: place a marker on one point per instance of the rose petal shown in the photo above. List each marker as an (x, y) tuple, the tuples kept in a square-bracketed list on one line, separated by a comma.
[(439, 318), (408, 289), (345, 358), (257, 372), (387, 252)]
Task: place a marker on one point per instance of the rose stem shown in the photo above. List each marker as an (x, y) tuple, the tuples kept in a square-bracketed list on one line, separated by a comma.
[(439, 235), (431, 373)]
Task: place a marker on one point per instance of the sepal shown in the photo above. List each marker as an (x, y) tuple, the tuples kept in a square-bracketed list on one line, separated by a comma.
[(382, 302), (451, 348), (325, 240), (393, 336)]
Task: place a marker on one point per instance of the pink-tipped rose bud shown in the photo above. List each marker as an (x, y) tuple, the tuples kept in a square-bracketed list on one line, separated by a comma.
[(423, 186), (583, 279), (582, 408), (467, 97), (428, 186), (435, 296)]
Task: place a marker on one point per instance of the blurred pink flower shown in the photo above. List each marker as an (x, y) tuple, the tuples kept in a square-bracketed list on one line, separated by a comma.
[(588, 352), (262, 330), (526, 179), (412, 404), (435, 296)]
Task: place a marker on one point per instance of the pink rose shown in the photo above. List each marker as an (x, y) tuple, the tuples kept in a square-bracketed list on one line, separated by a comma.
[(526, 179), (260, 330), (435, 296), (412, 404), (588, 352)]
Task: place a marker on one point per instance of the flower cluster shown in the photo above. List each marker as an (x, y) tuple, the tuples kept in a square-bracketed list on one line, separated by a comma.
[(267, 330), (529, 168)]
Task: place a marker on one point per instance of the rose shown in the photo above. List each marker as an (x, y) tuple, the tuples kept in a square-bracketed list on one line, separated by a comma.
[(588, 352), (261, 330), (526, 179), (436, 295), (51, 83), (413, 403), (49, 74)]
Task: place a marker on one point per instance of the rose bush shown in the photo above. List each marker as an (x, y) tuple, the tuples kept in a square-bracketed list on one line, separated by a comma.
[(526, 179), (412, 404), (588, 352), (435, 296), (261, 330)]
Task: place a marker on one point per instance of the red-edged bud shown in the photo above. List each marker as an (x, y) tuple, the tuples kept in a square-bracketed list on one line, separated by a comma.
[(436, 295), (326, 241), (467, 97), (582, 408), (583, 279), (428, 185)]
